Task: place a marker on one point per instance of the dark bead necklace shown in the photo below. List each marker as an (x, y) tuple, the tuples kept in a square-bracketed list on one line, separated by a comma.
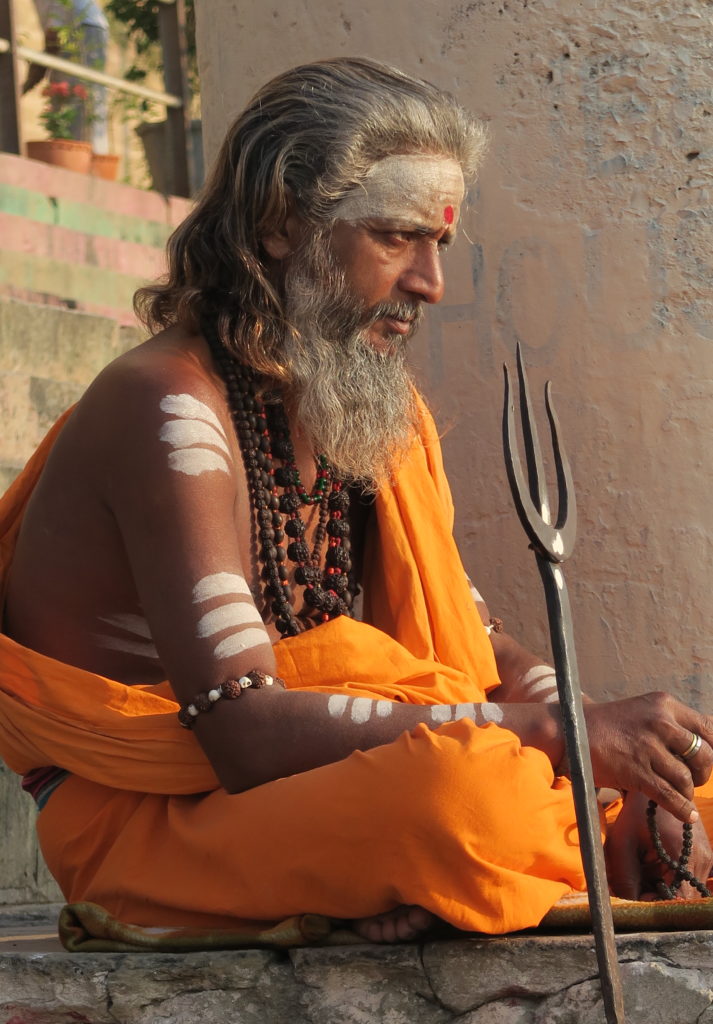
[(263, 434), (681, 872)]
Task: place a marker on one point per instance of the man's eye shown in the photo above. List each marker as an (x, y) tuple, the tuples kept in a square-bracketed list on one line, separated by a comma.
[(396, 237)]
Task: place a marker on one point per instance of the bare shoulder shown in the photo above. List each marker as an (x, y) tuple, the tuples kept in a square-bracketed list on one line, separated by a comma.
[(172, 362), (167, 387)]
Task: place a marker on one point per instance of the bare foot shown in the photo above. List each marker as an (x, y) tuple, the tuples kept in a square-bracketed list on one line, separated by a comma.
[(397, 925)]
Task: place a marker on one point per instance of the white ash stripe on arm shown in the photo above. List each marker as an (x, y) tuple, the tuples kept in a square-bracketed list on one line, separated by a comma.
[(228, 614), (218, 584), (196, 435), (540, 683), (224, 616), (362, 709), (475, 593), (480, 713)]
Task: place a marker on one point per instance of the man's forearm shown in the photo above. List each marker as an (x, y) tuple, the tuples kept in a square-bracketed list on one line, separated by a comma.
[(267, 735)]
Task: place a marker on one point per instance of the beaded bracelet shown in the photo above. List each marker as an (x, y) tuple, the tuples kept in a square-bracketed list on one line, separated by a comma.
[(231, 689), (495, 626)]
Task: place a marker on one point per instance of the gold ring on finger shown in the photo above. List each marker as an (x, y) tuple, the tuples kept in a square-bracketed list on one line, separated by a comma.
[(693, 747)]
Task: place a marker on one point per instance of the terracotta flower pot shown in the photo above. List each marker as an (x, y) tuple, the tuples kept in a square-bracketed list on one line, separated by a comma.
[(67, 153), (104, 165)]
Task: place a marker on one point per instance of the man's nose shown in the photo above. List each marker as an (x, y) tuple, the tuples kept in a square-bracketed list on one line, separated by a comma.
[(423, 277)]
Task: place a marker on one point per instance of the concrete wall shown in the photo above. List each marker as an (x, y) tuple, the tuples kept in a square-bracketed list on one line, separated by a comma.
[(590, 243)]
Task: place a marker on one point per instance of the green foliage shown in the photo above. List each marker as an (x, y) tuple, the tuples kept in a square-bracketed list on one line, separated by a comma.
[(139, 19), (62, 108)]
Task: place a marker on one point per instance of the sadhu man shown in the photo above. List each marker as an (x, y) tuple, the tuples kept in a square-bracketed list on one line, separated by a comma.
[(206, 516)]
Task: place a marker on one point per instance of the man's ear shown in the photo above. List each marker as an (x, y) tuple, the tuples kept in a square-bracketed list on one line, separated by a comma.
[(286, 237)]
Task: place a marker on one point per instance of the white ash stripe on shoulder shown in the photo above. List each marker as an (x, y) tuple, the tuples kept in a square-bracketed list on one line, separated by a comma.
[(219, 584), (194, 435), (189, 408), (194, 461), (184, 433)]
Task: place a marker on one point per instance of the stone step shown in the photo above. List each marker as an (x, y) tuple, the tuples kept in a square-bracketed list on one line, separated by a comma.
[(48, 356), (505, 980), (79, 242)]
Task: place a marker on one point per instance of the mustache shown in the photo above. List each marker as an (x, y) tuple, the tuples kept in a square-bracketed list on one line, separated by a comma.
[(409, 311)]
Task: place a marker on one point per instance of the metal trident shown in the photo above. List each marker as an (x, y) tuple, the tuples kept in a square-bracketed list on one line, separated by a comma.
[(552, 545)]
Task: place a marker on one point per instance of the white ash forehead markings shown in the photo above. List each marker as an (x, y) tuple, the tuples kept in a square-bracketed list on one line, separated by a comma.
[(237, 613), (139, 648), (189, 408), (361, 710), (184, 433), (441, 713), (129, 623), (464, 711), (245, 640), (384, 708), (219, 584), (407, 186), (337, 704)]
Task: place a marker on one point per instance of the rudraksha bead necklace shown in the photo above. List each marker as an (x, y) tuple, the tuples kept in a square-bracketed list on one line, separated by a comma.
[(681, 872), (263, 433)]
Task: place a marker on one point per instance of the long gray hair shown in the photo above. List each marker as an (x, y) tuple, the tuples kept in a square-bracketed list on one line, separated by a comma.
[(311, 134)]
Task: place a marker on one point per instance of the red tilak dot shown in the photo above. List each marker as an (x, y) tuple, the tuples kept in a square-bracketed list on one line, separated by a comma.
[(448, 215)]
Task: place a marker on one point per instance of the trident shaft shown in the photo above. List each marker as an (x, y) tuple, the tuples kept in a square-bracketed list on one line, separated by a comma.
[(552, 545)]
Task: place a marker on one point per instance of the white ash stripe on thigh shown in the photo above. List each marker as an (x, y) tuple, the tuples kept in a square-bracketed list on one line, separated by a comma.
[(219, 584)]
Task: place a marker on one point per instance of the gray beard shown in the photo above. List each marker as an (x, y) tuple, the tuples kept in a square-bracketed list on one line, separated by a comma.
[(354, 404)]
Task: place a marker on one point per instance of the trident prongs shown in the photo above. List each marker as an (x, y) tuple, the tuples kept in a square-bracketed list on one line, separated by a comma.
[(552, 545), (532, 503)]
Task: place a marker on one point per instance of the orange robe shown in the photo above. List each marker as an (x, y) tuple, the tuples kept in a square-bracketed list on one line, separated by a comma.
[(461, 820)]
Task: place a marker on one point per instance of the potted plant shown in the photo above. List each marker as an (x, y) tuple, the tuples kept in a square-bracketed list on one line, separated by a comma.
[(65, 103), (139, 21)]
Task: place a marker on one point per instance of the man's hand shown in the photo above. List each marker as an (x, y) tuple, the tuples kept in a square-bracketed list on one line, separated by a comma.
[(633, 868), (636, 743)]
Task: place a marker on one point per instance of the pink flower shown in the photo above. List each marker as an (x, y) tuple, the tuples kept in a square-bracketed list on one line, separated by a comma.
[(80, 92)]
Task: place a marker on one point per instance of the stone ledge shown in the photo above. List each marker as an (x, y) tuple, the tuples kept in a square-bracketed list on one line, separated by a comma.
[(512, 980)]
